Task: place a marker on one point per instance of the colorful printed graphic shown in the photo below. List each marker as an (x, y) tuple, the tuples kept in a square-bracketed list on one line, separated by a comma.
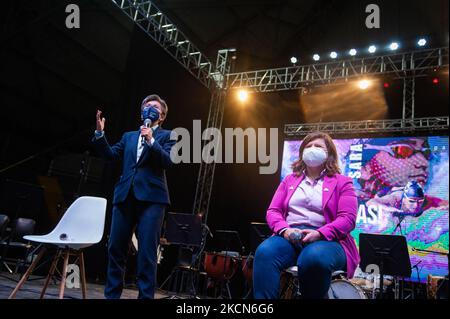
[(402, 187)]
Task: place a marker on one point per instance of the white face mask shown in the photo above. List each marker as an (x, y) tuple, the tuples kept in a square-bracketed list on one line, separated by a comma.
[(314, 156)]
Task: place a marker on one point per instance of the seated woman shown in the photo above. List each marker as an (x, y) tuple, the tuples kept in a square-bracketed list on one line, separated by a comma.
[(311, 214)]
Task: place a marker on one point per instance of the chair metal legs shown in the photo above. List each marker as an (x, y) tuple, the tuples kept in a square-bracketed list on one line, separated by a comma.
[(60, 253)]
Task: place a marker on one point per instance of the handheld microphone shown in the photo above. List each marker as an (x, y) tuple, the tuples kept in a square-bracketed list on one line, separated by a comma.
[(295, 236), (147, 123)]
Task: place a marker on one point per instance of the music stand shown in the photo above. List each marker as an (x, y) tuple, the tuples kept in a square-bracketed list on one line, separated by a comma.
[(258, 233), (389, 252), (184, 230), (228, 240)]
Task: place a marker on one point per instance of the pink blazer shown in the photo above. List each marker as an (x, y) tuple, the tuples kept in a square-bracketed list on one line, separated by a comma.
[(339, 208)]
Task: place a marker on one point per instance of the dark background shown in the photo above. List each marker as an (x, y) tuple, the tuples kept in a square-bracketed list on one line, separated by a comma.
[(53, 80)]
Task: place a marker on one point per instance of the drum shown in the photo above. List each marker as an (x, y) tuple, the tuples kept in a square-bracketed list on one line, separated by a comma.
[(221, 266), (289, 284), (344, 289), (437, 287), (371, 285), (247, 267), (339, 289)]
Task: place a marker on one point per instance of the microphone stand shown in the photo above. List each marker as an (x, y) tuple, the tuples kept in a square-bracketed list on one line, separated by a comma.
[(399, 225), (436, 253)]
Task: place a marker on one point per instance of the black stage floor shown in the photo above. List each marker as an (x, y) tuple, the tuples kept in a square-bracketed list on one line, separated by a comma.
[(32, 289)]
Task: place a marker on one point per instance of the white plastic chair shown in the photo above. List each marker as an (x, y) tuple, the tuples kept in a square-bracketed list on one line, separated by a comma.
[(81, 226)]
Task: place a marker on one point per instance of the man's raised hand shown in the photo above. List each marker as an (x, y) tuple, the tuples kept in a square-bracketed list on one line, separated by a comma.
[(100, 122)]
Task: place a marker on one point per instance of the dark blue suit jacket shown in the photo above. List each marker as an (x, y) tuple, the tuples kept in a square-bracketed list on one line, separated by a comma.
[(147, 176)]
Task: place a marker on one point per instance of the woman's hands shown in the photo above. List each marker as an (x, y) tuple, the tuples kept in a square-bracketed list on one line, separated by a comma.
[(303, 236), (311, 235), (293, 235)]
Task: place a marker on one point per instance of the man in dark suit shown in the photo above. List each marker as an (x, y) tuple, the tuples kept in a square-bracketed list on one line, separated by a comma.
[(140, 197)]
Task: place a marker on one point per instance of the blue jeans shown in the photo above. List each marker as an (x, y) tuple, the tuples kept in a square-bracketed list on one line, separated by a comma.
[(148, 218), (316, 262)]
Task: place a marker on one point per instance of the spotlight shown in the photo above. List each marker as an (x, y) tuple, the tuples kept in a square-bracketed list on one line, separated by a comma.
[(435, 81), (393, 46), (422, 42), (242, 95), (333, 55), (363, 84), (372, 49), (386, 85), (352, 52), (316, 57), (294, 60)]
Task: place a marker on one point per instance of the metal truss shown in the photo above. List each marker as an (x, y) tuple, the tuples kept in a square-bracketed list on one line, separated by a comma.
[(409, 91), (215, 117), (150, 19), (378, 126), (396, 65), (222, 66), (207, 167)]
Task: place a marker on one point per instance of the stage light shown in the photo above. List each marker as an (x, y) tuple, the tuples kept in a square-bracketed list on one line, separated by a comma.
[(363, 84), (393, 46), (352, 52), (435, 81), (242, 95), (372, 49), (316, 57), (293, 60), (422, 42), (333, 55), (386, 85)]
